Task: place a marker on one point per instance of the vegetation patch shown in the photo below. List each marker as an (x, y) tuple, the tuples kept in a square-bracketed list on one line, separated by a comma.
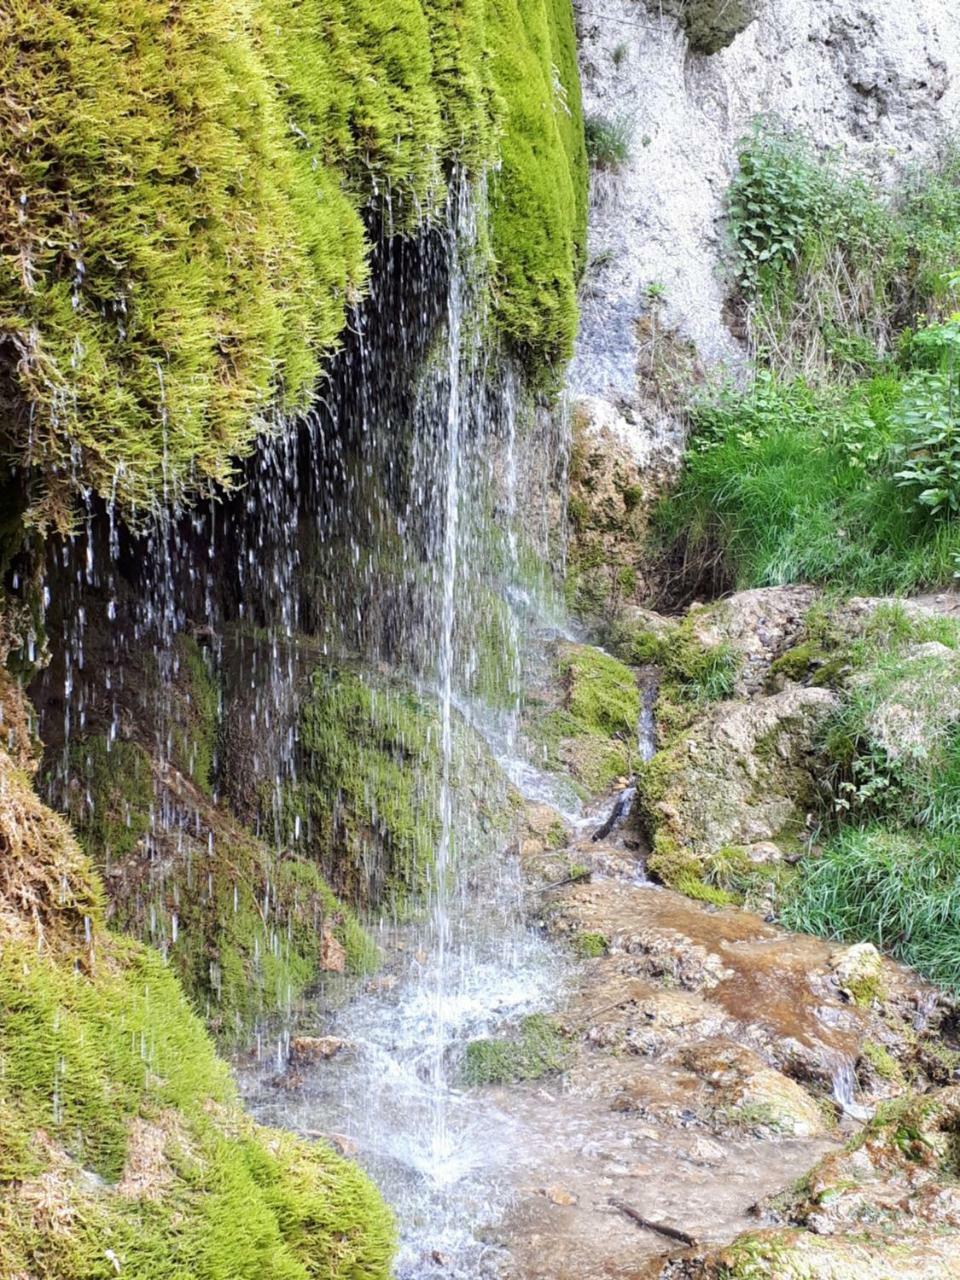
[(589, 946), (896, 889), (608, 142), (838, 464), (537, 1050), (156, 311), (123, 1143), (594, 733), (245, 928)]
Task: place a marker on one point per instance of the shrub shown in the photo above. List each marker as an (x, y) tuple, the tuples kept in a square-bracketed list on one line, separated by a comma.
[(829, 265), (928, 419)]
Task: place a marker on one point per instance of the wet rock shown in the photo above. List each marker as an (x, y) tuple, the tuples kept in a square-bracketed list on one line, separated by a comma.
[(307, 1051), (559, 1196), (796, 1255), (333, 955), (739, 775), (746, 1093), (859, 971), (678, 973)]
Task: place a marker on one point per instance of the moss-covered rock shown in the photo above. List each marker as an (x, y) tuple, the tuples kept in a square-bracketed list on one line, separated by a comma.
[(245, 928), (155, 308), (123, 1147), (711, 25), (742, 773), (592, 734), (366, 803), (536, 1050)]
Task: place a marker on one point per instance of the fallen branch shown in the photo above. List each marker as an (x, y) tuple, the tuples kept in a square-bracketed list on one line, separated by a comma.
[(672, 1233)]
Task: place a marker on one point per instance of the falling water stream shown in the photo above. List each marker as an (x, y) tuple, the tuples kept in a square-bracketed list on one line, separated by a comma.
[(393, 531)]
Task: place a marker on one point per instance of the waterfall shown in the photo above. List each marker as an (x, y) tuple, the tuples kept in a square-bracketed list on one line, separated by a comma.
[(388, 551)]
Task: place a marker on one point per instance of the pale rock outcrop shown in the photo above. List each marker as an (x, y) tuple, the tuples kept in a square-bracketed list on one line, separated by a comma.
[(880, 80)]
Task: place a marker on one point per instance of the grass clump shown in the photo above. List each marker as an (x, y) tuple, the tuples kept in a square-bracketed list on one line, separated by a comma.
[(839, 463), (608, 142), (537, 1050), (830, 267), (890, 868), (893, 888), (882, 1061), (589, 946)]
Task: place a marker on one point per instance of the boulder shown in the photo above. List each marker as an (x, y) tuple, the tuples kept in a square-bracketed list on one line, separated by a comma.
[(740, 775)]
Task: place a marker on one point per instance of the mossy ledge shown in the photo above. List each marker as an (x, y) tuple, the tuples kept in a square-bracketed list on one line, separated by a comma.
[(123, 1149), (183, 206)]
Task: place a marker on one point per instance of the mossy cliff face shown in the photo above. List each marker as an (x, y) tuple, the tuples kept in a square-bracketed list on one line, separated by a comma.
[(182, 206), (123, 1149), (366, 804), (245, 926)]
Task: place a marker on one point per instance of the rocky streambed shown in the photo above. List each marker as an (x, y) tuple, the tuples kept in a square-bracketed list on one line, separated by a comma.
[(637, 1076)]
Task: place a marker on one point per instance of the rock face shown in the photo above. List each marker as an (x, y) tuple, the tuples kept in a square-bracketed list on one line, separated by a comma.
[(879, 79), (741, 774), (710, 25)]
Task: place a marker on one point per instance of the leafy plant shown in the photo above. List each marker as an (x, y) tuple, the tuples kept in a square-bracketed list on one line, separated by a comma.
[(608, 142), (928, 417)]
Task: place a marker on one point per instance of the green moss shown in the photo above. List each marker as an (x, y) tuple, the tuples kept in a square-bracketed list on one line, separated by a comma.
[(186, 188), (242, 926), (601, 692), (122, 1142), (677, 868), (536, 1051), (692, 672), (369, 791), (539, 194), (112, 809), (110, 1070), (593, 735), (882, 1061), (589, 946), (195, 735)]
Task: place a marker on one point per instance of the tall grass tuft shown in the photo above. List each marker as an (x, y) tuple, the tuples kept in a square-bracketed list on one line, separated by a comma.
[(896, 890)]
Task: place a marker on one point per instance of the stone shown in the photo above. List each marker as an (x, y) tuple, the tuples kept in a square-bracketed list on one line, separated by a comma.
[(738, 776), (559, 1196), (333, 956), (309, 1050)]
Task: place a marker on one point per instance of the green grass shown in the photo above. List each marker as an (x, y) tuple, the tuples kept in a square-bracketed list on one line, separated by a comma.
[(786, 483), (890, 869), (184, 190), (608, 142), (898, 890), (536, 1051)]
